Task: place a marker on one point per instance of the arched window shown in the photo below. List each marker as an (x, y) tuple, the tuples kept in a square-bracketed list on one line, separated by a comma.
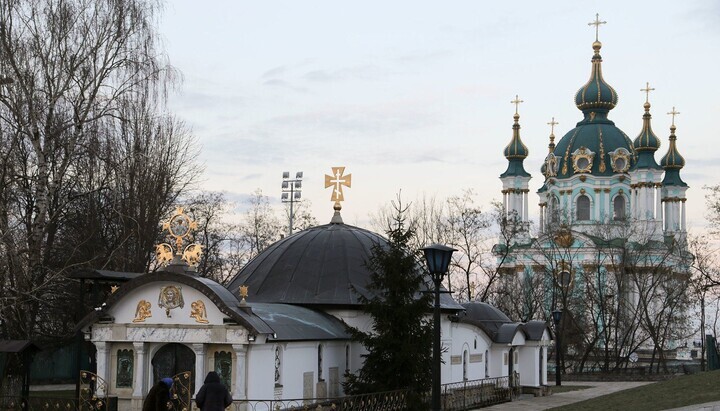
[(583, 208), (487, 364), (554, 216), (320, 362), (619, 208), (465, 365), (278, 366)]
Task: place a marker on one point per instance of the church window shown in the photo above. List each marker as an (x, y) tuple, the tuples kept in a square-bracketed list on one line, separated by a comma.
[(125, 365), (554, 210), (223, 367), (619, 208), (583, 208), (278, 365), (465, 365), (320, 362)]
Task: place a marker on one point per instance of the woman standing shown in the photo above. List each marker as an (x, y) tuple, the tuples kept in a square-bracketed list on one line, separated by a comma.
[(213, 395)]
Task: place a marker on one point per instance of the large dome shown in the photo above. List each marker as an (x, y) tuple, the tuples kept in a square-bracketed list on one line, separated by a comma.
[(319, 266)]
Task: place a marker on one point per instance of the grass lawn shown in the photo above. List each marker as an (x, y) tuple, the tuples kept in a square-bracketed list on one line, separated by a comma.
[(678, 392), (568, 388)]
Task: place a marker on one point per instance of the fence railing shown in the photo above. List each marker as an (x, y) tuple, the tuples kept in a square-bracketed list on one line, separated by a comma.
[(381, 401), (466, 395), (37, 404)]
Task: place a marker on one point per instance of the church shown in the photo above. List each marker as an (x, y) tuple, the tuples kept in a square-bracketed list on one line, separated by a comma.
[(278, 330), (609, 249)]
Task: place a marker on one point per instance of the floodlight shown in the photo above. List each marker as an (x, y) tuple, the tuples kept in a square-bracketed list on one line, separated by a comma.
[(298, 184), (297, 195), (286, 174), (299, 174), (284, 196), (285, 184)]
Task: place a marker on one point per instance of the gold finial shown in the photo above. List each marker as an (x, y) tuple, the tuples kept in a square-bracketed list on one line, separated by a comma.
[(673, 113), (243, 289), (180, 228), (597, 24), (337, 180), (113, 288), (647, 91), (517, 102)]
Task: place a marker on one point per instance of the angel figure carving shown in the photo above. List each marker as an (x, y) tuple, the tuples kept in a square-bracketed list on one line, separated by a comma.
[(142, 311), (171, 297), (198, 312)]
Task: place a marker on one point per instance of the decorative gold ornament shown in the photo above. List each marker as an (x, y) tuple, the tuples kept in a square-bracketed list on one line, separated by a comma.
[(337, 180), (180, 226), (620, 160), (597, 24), (551, 165), (582, 160), (647, 91), (163, 253), (113, 288), (192, 254), (564, 275), (142, 311), (170, 298), (198, 312), (564, 238), (243, 289), (517, 102)]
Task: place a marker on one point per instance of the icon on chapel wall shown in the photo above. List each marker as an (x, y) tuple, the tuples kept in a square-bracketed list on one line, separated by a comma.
[(171, 297), (198, 312), (142, 311), (180, 228)]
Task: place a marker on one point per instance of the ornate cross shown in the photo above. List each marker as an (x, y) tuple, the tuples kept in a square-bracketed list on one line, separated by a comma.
[(517, 102), (337, 180), (597, 24), (673, 113), (552, 125), (647, 91)]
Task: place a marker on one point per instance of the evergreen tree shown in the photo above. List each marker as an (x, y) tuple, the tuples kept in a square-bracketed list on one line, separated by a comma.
[(400, 342)]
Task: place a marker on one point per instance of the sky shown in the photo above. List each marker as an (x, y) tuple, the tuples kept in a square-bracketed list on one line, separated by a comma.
[(414, 96)]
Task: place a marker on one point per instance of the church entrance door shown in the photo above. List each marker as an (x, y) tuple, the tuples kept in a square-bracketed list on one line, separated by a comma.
[(172, 359)]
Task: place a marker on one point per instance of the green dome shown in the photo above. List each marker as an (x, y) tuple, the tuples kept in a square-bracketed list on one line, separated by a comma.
[(516, 152), (597, 135), (646, 144), (596, 94), (672, 162)]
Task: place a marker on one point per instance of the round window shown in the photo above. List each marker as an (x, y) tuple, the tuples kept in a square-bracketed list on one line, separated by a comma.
[(583, 163), (620, 164)]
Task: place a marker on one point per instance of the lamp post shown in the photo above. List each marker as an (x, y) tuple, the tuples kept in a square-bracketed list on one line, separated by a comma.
[(438, 259), (291, 193), (557, 316)]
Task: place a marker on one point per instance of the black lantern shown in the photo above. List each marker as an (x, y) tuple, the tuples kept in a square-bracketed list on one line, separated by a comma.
[(438, 260), (557, 316)]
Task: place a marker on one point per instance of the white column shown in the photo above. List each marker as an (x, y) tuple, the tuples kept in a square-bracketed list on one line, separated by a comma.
[(658, 203), (596, 204), (633, 202), (102, 365), (239, 390), (667, 216), (139, 377), (542, 218), (505, 202), (651, 202), (199, 350), (683, 226), (525, 207)]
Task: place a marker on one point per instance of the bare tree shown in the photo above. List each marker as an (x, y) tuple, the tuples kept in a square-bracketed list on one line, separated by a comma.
[(261, 226)]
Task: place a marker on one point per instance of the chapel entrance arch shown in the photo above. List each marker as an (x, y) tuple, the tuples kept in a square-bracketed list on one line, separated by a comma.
[(172, 359)]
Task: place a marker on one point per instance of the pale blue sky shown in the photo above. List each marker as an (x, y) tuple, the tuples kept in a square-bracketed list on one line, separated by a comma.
[(415, 95)]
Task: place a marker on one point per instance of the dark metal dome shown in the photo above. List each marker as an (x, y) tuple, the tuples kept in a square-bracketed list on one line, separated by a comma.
[(320, 266)]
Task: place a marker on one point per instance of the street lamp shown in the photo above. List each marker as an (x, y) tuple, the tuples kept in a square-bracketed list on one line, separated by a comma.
[(291, 193), (438, 259), (557, 316)]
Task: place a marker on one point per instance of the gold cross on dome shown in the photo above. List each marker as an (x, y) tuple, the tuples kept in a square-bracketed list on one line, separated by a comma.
[(552, 125), (597, 24), (674, 113), (647, 91), (517, 102), (337, 180)]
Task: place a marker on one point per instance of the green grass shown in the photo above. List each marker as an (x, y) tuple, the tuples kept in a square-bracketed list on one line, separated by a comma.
[(678, 392), (568, 388)]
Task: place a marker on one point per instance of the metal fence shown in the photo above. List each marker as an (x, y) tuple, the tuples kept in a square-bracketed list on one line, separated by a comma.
[(381, 401), (467, 395), (37, 404)]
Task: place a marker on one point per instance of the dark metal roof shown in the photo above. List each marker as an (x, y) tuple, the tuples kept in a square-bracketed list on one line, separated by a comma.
[(294, 323), (320, 266), (534, 330), (104, 275), (16, 346), (219, 295), (484, 316), (506, 332)]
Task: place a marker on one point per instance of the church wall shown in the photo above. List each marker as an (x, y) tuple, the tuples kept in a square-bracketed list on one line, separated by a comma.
[(528, 365), (465, 337)]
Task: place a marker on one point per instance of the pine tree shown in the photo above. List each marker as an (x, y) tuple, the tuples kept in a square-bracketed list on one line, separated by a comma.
[(400, 342)]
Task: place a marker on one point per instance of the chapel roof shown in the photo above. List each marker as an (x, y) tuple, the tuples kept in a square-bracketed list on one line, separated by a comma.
[(318, 267), (498, 326)]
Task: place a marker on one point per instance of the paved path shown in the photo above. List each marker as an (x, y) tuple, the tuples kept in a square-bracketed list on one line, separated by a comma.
[(542, 403), (708, 406)]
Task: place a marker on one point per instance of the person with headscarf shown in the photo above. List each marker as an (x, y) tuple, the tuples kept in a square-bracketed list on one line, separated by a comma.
[(159, 395), (213, 395)]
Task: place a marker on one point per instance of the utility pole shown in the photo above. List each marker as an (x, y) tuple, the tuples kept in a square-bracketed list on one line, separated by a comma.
[(291, 193)]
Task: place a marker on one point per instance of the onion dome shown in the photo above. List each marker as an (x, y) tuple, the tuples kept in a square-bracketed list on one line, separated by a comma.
[(594, 146), (646, 143), (596, 94), (323, 266), (516, 151), (673, 162)]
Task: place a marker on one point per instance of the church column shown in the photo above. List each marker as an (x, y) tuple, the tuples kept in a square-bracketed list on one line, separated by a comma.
[(542, 217), (651, 201), (102, 365), (200, 352), (658, 203), (682, 222), (596, 202), (139, 377), (505, 201), (525, 206), (633, 203), (238, 390), (667, 215)]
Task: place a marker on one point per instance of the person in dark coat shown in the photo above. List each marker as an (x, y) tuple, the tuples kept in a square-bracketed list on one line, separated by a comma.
[(159, 395), (213, 395)]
